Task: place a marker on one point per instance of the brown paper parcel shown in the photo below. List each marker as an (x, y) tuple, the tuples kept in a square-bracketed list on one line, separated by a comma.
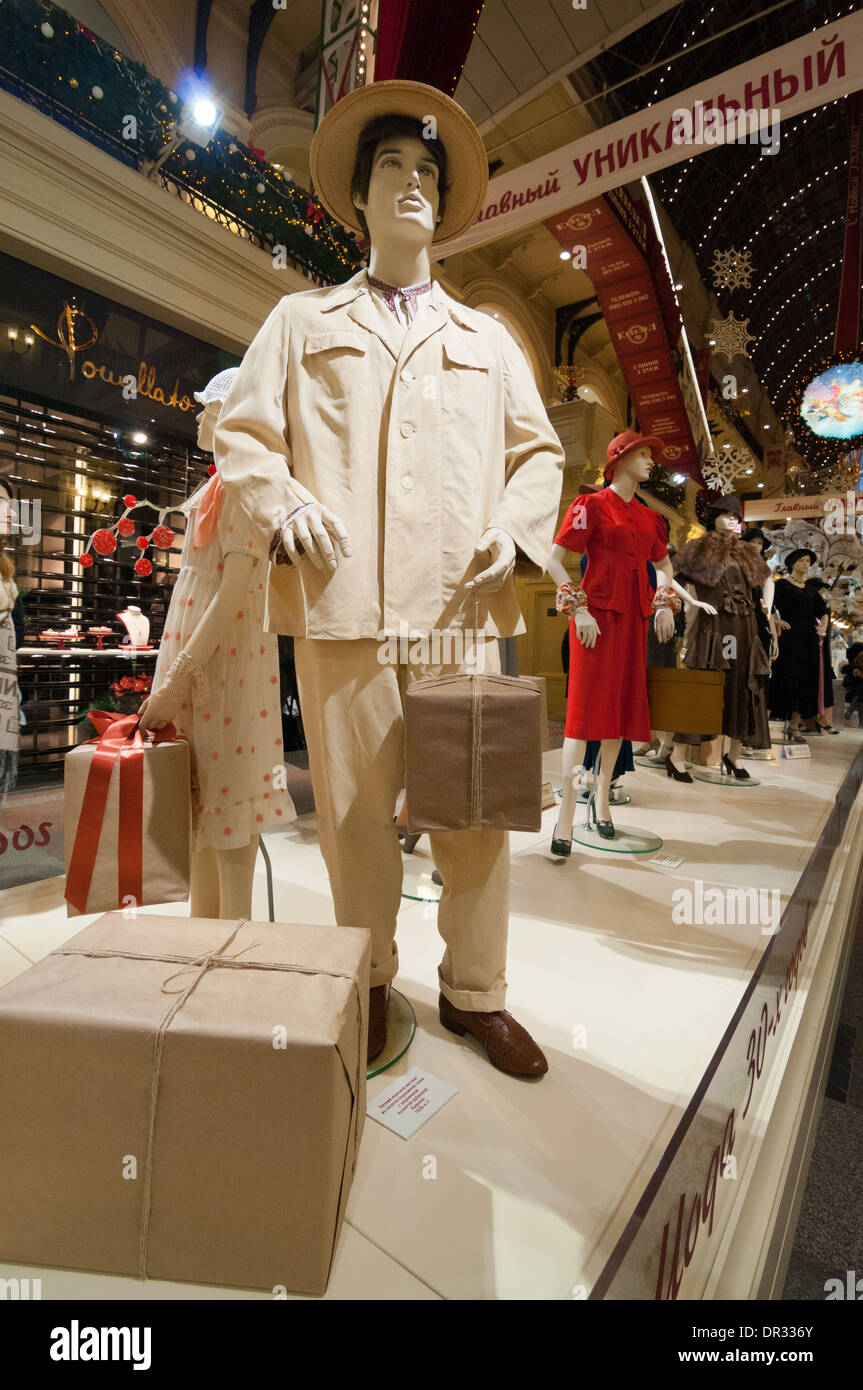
[(184, 1099), (472, 753), (167, 815)]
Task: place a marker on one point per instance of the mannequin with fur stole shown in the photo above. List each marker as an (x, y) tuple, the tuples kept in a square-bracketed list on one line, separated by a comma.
[(731, 575)]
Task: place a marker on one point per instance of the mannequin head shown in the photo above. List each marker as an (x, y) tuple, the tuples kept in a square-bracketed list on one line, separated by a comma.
[(206, 422), (724, 515), (798, 564), (399, 182), (636, 466)]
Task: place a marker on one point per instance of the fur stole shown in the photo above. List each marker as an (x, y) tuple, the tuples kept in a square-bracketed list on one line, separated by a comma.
[(702, 561)]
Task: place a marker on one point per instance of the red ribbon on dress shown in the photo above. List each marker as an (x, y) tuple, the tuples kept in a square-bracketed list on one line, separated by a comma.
[(119, 737), (207, 512)]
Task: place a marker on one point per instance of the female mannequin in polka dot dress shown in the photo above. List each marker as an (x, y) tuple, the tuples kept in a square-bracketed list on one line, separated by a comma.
[(217, 681)]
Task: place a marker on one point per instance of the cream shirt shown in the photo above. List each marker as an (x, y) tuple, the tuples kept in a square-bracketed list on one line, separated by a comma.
[(417, 439)]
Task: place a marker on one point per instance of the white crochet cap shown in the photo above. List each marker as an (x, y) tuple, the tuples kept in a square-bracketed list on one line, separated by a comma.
[(218, 387)]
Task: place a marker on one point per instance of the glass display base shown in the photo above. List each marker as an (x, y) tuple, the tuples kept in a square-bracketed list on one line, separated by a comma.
[(721, 779), (621, 799), (417, 882), (759, 755), (401, 1026), (628, 839)]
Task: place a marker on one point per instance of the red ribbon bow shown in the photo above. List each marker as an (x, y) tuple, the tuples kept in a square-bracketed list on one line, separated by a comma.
[(119, 737)]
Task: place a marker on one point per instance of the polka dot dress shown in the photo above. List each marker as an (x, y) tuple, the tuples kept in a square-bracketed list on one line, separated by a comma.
[(235, 737)]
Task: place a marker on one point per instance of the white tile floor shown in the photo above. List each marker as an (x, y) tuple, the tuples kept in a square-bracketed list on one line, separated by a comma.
[(534, 1180)]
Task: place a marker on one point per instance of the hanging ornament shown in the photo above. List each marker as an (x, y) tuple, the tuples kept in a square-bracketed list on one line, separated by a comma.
[(190, 154), (125, 526), (261, 187), (85, 560), (163, 537), (212, 470), (731, 464), (105, 542), (142, 542), (47, 30), (732, 336), (73, 81), (172, 97), (232, 148), (732, 269), (143, 567), (130, 500), (256, 153), (97, 93)]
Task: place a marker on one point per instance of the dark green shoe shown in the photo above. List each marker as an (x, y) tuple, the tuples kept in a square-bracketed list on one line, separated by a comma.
[(562, 848)]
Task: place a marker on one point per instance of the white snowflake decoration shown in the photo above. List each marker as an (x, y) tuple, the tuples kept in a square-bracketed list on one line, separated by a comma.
[(732, 269), (721, 473), (731, 336)]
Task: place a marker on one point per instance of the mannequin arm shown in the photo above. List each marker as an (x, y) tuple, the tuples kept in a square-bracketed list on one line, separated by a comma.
[(663, 567), (555, 566), (767, 593), (164, 703)]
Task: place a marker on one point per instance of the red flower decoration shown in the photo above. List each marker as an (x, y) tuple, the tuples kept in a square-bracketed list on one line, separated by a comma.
[(142, 542), (125, 526), (85, 560), (105, 542), (143, 567), (130, 500), (163, 537), (212, 470), (256, 153)]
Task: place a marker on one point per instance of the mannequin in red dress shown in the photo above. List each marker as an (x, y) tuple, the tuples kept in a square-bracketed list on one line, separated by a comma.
[(608, 663)]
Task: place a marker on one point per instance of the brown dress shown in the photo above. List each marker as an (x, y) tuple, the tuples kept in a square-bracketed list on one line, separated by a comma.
[(725, 570)]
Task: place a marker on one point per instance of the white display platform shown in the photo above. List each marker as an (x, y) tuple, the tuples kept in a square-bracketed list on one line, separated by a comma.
[(535, 1183)]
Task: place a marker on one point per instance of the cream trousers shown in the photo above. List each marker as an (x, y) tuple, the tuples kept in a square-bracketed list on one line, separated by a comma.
[(353, 716)]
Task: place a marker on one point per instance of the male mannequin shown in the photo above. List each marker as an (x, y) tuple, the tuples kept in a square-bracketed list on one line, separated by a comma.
[(429, 442)]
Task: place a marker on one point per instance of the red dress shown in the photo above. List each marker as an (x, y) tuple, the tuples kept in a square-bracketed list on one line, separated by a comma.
[(608, 683)]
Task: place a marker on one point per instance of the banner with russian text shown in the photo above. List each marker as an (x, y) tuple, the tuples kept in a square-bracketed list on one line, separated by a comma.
[(808, 72)]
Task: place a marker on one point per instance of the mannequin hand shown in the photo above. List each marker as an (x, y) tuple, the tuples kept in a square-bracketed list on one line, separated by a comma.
[(586, 628), (707, 607), (311, 527), (663, 625), (501, 547), (163, 706), (774, 647), (783, 627)]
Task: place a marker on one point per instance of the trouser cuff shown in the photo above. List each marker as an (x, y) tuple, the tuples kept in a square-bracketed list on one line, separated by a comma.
[(474, 1000)]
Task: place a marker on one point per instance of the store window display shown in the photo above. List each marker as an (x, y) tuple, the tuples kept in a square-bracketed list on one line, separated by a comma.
[(393, 444), (607, 698), (793, 691), (731, 575), (217, 681)]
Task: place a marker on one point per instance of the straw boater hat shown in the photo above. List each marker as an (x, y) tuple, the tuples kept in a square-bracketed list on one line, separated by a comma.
[(334, 149)]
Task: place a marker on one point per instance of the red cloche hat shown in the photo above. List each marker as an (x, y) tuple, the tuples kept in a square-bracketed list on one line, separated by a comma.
[(623, 444)]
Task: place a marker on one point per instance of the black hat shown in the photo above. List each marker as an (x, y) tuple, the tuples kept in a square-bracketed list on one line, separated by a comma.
[(719, 506), (754, 534), (794, 555)]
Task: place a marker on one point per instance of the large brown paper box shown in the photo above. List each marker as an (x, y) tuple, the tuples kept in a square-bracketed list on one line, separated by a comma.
[(235, 1168), (540, 683), (166, 847), (472, 753)]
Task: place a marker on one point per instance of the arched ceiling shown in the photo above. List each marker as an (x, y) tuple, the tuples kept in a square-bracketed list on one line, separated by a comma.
[(787, 209)]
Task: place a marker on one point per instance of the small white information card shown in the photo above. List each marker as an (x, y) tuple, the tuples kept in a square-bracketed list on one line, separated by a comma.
[(410, 1100)]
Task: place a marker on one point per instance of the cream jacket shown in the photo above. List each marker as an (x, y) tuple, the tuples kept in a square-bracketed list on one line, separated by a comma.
[(417, 439)]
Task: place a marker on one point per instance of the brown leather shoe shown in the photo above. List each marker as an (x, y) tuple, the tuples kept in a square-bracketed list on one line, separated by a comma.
[(378, 997), (508, 1046)]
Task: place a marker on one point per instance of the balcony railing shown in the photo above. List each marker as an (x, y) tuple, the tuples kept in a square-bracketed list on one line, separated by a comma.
[(58, 66)]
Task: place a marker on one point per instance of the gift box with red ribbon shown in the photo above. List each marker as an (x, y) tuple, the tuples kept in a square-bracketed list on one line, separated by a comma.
[(128, 817)]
